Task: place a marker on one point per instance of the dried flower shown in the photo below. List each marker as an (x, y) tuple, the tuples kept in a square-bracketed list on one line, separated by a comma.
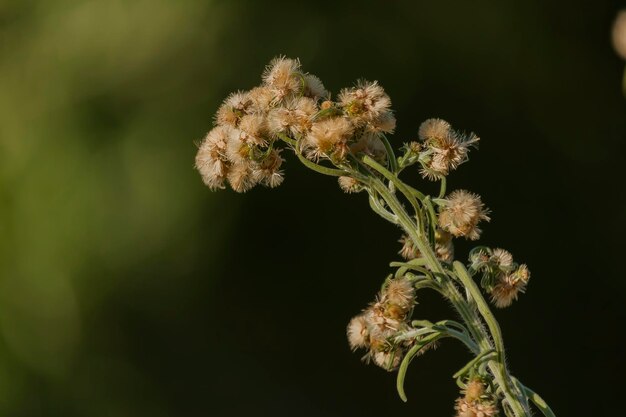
[(267, 171), (368, 104), (508, 286), (328, 136), (233, 109), (314, 88), (358, 333), (283, 76), (446, 148), (211, 160), (261, 99), (461, 214), (294, 117), (465, 408), (400, 292), (349, 184)]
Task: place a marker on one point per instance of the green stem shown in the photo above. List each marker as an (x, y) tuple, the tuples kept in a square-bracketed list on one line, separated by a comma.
[(538, 401), (391, 156), (513, 395), (442, 189)]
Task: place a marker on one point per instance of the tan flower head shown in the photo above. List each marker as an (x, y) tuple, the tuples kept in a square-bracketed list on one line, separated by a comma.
[(293, 118), (465, 408), (261, 99), (447, 148), (233, 109), (283, 76), (508, 286), (240, 176), (358, 333), (267, 171), (349, 185), (400, 292), (314, 88), (462, 213), (328, 136), (368, 104), (211, 159)]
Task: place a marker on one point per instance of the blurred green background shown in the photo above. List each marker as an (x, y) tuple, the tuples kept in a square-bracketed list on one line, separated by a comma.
[(127, 288)]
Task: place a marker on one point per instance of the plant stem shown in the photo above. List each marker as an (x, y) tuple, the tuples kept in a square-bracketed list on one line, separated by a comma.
[(497, 367)]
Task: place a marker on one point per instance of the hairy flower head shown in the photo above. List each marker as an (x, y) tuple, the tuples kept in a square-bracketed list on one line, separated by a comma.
[(283, 76), (328, 136), (293, 118), (465, 408), (233, 109), (358, 332), (368, 104), (349, 184), (461, 214), (508, 286), (211, 159), (446, 148)]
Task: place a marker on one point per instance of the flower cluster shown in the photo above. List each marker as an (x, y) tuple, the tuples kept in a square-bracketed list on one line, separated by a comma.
[(502, 278), (376, 327), (243, 147)]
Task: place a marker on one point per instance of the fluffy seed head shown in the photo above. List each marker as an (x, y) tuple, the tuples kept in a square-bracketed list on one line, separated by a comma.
[(253, 129), (233, 109), (211, 159), (240, 176), (358, 333), (294, 118), (261, 99), (368, 104), (283, 76), (267, 171), (327, 136), (314, 88), (388, 360), (434, 130), (502, 258), (400, 292), (462, 213), (447, 148), (508, 286)]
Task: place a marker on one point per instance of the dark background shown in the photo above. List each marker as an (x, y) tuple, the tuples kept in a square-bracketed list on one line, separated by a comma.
[(127, 288)]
